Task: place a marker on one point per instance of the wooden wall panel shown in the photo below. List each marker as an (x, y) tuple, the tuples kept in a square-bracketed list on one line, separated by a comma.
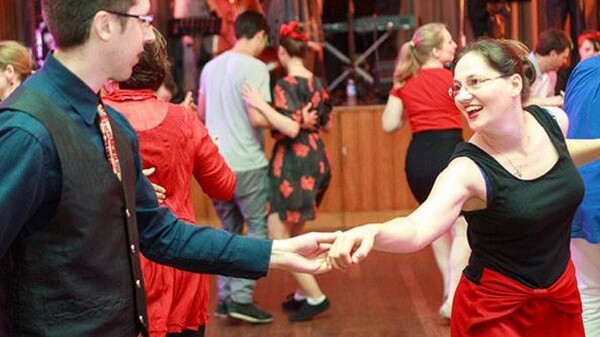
[(360, 164), (9, 22), (383, 166), (368, 166), (374, 178), (18, 20), (332, 202), (351, 171)]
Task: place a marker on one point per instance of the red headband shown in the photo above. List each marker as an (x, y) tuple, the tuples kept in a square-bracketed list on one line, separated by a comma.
[(593, 36), (289, 30)]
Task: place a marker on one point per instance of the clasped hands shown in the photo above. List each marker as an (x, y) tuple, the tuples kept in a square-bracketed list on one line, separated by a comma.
[(319, 252), (309, 115)]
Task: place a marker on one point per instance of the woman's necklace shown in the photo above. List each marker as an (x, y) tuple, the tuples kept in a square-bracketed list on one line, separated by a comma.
[(517, 171)]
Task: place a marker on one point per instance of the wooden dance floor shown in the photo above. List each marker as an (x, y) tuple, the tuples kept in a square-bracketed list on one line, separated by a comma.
[(388, 295)]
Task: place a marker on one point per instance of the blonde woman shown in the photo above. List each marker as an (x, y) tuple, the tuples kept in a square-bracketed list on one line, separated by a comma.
[(420, 95), (15, 66)]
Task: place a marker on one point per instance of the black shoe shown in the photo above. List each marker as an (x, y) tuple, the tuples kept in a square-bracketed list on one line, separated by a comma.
[(221, 310), (248, 312), (291, 304), (308, 311)]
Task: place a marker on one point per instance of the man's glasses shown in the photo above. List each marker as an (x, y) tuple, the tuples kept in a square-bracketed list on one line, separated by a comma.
[(470, 84), (145, 19)]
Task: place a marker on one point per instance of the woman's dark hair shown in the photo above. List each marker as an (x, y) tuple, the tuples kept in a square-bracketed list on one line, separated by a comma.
[(506, 57), (151, 70), (293, 38)]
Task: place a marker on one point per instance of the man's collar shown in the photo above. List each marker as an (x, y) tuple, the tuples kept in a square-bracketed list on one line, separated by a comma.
[(76, 92)]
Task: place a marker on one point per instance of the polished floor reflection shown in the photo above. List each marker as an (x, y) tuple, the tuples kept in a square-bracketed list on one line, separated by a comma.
[(391, 295)]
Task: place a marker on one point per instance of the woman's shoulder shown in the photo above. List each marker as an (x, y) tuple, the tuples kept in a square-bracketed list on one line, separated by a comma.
[(550, 117), (296, 79), (429, 76), (468, 149), (443, 73), (288, 80)]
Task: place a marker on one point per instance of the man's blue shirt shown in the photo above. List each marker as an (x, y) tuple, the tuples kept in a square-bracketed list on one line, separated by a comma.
[(582, 104), (31, 186)]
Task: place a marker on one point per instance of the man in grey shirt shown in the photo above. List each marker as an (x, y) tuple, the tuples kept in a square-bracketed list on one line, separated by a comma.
[(221, 106)]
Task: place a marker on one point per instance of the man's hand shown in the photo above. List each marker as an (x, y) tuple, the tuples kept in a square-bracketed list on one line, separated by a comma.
[(352, 246), (159, 190), (310, 118), (253, 97), (305, 253)]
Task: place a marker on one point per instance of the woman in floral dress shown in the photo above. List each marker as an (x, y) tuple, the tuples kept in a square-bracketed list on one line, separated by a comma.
[(299, 170)]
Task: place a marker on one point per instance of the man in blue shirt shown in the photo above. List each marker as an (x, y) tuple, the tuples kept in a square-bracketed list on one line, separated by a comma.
[(70, 230), (582, 104)]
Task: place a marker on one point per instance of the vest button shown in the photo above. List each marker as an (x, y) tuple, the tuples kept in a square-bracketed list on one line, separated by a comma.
[(141, 319), (127, 213), (132, 247), (138, 284)]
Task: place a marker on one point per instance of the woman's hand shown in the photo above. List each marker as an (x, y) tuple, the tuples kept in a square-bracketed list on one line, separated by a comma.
[(159, 190), (188, 102), (352, 246)]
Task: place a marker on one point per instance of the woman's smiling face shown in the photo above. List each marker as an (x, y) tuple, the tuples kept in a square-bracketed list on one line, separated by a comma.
[(480, 92)]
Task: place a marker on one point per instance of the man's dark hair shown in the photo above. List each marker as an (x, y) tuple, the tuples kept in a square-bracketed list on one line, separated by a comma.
[(248, 23), (553, 39), (69, 21)]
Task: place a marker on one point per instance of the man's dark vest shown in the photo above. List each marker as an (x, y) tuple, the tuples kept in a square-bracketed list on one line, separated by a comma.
[(78, 275)]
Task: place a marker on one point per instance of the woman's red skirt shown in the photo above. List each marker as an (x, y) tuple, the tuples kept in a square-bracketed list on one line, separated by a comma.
[(500, 306)]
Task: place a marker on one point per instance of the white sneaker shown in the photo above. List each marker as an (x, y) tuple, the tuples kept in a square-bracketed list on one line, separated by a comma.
[(445, 310)]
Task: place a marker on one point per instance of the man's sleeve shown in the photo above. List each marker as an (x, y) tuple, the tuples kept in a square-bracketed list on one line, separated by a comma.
[(202, 249), (22, 169), (582, 99), (167, 240), (260, 79)]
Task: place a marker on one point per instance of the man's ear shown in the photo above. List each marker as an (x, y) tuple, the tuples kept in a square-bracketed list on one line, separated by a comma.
[(103, 25), (260, 35)]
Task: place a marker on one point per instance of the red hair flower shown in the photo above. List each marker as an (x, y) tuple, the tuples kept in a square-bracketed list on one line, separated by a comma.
[(290, 30)]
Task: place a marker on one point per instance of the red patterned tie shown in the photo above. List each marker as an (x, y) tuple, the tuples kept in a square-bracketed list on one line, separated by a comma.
[(109, 141)]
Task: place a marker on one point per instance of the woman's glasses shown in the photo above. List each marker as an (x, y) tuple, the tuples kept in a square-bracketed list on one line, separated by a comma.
[(471, 84)]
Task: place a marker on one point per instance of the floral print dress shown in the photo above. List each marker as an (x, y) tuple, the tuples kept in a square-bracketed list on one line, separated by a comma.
[(300, 169)]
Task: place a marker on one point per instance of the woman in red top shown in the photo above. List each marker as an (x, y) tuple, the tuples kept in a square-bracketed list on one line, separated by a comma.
[(420, 94), (175, 143)]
